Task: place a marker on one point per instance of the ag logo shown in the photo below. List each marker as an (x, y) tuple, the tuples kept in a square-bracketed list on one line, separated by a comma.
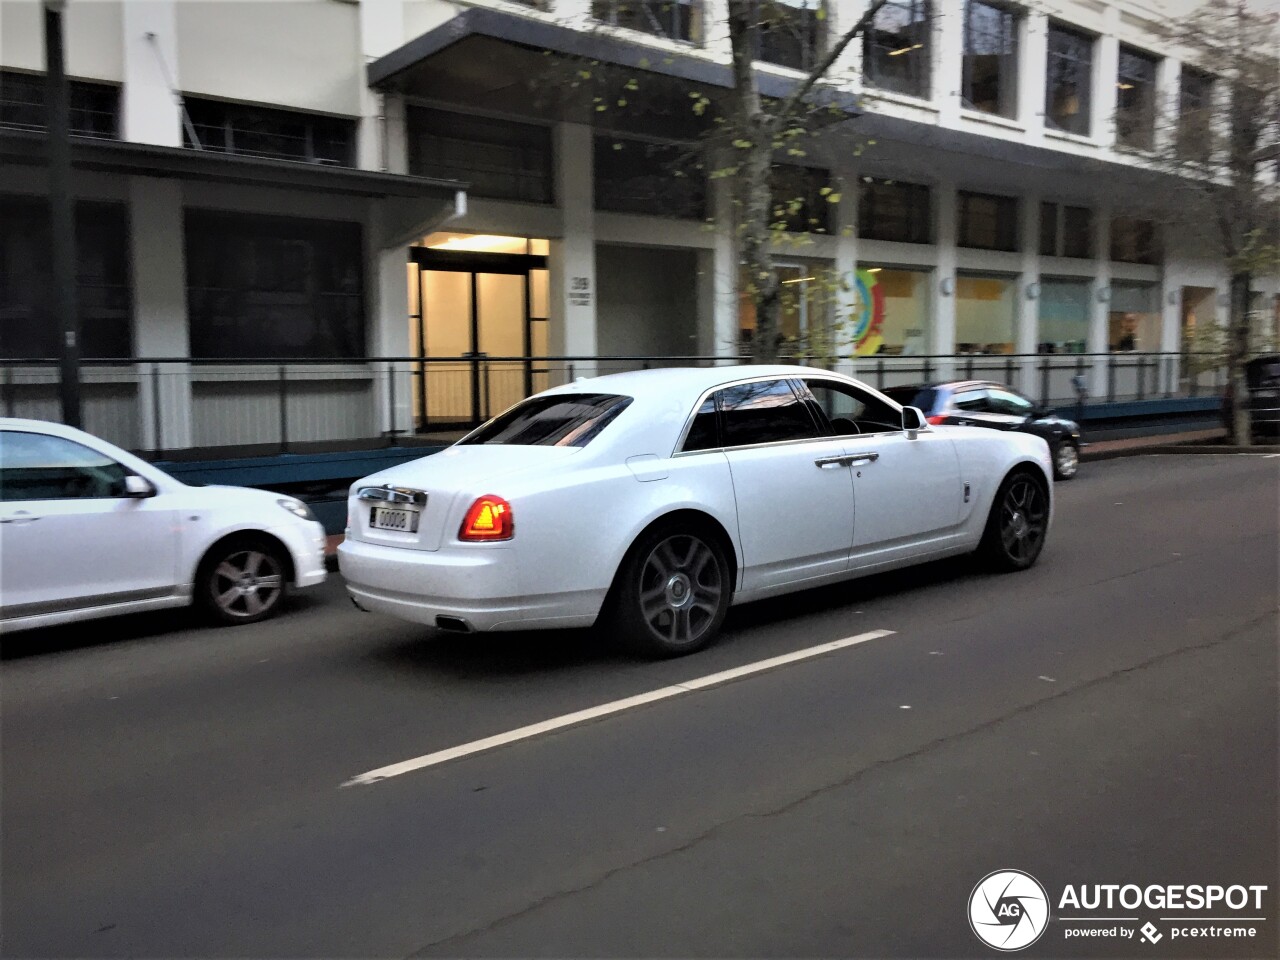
[(1008, 910)]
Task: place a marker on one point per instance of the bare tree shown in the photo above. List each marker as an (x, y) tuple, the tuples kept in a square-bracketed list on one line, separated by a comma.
[(1220, 143)]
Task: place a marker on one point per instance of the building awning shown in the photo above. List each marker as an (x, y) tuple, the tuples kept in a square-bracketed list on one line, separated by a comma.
[(490, 58), (141, 159)]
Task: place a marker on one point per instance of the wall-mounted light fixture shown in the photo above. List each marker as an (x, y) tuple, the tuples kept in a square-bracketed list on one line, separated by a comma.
[(1104, 294), (1033, 291), (947, 286)]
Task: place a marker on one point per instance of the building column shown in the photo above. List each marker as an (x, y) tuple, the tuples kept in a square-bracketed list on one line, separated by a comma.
[(1100, 302), (1033, 54), (387, 332), (718, 279), (160, 323), (1170, 327), (947, 61), (573, 256), (1028, 333), (149, 108), (942, 337), (1106, 67)]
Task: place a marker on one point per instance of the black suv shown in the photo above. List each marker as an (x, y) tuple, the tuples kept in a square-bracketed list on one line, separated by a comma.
[(983, 403)]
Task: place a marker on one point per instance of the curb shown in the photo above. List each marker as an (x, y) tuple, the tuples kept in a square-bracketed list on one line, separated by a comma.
[(1198, 449)]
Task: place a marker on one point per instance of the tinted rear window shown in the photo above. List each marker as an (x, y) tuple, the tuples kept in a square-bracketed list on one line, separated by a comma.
[(912, 396), (562, 420)]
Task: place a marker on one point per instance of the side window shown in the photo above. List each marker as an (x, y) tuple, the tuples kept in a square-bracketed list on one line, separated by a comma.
[(764, 412), (34, 466), (971, 401), (704, 433), (1007, 402), (851, 410)]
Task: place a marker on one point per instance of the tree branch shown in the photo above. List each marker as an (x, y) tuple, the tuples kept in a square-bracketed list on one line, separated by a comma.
[(819, 71)]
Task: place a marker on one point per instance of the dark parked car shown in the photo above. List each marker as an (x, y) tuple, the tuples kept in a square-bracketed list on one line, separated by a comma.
[(1262, 381), (982, 403)]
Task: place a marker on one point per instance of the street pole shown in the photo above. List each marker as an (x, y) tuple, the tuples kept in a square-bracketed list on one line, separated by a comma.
[(57, 104)]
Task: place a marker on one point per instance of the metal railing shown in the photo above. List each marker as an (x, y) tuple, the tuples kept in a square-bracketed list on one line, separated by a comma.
[(271, 405)]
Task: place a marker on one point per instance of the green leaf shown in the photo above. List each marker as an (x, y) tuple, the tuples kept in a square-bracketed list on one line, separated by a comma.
[(833, 197)]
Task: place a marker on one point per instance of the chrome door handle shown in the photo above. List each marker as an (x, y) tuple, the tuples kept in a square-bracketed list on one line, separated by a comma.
[(20, 517), (870, 457), (826, 463)]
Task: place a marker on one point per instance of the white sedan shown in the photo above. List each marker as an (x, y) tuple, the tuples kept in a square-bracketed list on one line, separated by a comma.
[(651, 501), (88, 530)]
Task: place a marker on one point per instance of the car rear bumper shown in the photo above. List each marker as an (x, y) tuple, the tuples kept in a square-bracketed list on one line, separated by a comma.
[(473, 588)]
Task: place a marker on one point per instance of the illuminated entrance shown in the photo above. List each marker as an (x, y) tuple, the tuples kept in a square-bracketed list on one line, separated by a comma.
[(478, 314)]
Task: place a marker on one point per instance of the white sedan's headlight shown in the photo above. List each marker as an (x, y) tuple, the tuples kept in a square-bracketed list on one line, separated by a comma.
[(297, 508)]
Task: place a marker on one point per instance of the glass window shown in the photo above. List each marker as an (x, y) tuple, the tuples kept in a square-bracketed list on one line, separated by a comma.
[(1136, 99), (853, 411), (1066, 231), (1008, 403), (971, 401), (985, 314), (268, 132), (674, 19), (990, 72), (1133, 320), (804, 293), (1134, 241), (896, 211), (104, 301), (920, 397), (95, 107), (704, 432), (1049, 229), (499, 158), (274, 286), (1195, 115), (35, 466), (892, 312), (1064, 316), (1067, 81), (559, 420), (792, 32), (988, 222), (767, 411), (896, 48), (657, 179), (799, 203)]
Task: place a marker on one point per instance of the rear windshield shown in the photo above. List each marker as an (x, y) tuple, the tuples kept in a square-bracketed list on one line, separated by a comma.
[(921, 397), (561, 420)]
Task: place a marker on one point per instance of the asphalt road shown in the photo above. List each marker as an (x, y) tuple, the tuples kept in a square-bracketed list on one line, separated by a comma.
[(1107, 717)]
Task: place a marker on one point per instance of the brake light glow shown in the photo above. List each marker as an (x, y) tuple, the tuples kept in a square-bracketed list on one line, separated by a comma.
[(937, 418), (489, 518)]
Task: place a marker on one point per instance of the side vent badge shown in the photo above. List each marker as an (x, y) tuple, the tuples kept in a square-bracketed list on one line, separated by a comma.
[(966, 493)]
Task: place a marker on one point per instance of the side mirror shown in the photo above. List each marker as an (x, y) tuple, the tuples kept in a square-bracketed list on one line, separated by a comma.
[(913, 421), (138, 487)]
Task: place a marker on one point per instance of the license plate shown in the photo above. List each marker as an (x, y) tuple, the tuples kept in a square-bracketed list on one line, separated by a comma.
[(389, 518)]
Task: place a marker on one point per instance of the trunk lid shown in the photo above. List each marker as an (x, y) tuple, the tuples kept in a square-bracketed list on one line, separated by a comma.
[(422, 498)]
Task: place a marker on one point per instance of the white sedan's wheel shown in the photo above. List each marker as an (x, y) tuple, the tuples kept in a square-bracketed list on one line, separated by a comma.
[(1018, 522), (672, 592)]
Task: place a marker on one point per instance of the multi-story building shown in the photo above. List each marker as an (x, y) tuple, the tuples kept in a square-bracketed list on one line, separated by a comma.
[(337, 182)]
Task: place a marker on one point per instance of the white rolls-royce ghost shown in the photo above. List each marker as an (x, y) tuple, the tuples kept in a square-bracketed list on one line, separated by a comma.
[(651, 501)]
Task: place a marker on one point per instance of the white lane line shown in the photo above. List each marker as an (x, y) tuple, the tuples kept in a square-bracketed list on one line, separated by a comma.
[(605, 709)]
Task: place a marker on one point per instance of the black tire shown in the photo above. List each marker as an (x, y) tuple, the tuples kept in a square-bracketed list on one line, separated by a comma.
[(1018, 522), (1066, 459), (671, 593), (243, 579)]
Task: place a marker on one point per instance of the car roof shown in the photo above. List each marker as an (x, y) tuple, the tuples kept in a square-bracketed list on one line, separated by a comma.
[(660, 382), (42, 426)]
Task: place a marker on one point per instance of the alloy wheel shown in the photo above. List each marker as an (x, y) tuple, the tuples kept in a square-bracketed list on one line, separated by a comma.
[(680, 589), (246, 583), (1068, 459), (1024, 518)]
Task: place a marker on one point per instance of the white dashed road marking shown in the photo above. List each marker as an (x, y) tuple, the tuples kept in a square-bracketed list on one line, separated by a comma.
[(605, 709)]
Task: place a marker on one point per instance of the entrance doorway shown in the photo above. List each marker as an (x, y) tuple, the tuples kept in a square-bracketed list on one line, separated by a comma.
[(479, 319)]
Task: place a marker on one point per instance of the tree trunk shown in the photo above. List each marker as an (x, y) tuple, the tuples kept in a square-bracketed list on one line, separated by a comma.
[(1237, 355)]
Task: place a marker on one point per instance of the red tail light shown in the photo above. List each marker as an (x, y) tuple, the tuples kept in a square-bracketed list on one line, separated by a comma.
[(489, 518), (937, 418)]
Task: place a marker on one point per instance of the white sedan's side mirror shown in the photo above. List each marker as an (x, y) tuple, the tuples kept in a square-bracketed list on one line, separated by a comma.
[(912, 421), (138, 487)]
